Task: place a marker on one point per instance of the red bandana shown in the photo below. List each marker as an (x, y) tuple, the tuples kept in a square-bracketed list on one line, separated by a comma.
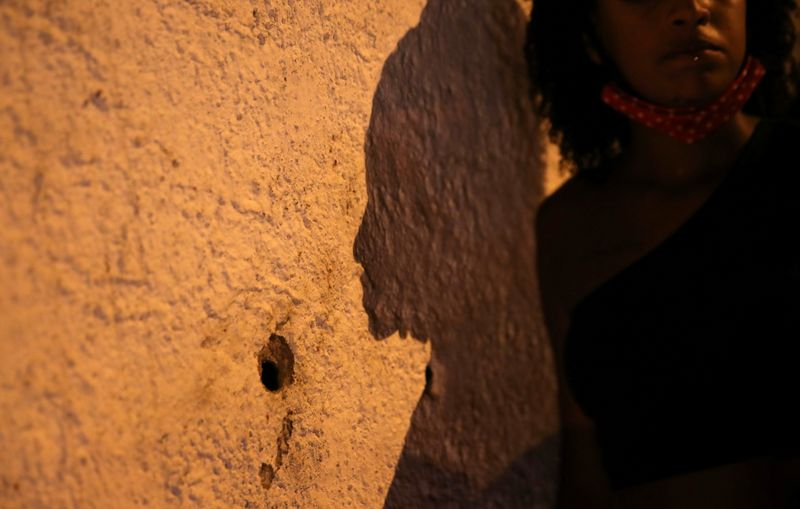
[(688, 124)]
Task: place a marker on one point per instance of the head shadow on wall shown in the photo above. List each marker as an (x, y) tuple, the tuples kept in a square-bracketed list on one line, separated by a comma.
[(454, 162), (451, 159)]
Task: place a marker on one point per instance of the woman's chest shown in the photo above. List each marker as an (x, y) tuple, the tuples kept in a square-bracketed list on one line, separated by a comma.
[(614, 229), (681, 358), (750, 484)]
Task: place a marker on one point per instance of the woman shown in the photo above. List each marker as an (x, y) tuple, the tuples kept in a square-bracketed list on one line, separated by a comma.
[(666, 261)]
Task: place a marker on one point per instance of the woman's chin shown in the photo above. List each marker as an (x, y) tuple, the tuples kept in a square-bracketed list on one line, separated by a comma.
[(697, 99)]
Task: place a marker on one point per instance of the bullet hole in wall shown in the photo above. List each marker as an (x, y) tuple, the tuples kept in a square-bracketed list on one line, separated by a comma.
[(269, 375), (276, 364)]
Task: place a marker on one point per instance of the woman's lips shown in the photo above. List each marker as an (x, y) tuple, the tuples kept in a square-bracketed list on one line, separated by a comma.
[(692, 46), (696, 56)]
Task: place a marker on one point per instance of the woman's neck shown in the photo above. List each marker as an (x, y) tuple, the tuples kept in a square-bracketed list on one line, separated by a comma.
[(655, 159)]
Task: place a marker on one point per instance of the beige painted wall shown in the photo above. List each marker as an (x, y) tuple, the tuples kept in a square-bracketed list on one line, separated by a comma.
[(181, 181)]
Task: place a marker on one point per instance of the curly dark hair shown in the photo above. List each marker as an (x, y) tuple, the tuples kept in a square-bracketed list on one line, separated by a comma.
[(566, 84)]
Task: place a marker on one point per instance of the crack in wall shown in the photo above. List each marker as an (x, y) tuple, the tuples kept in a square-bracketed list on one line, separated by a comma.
[(267, 472)]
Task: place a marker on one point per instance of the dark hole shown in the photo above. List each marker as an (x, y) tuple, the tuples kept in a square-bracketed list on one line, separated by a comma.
[(276, 364), (269, 375), (428, 377)]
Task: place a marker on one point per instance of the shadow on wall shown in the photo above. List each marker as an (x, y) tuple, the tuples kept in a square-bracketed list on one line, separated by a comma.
[(455, 165)]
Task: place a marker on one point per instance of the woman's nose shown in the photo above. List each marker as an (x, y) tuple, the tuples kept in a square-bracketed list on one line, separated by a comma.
[(690, 13)]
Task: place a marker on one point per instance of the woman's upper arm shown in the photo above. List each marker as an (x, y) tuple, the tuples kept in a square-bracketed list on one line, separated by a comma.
[(584, 482), (550, 228)]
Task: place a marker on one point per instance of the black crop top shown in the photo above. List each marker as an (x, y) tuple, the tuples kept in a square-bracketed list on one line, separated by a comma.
[(689, 358)]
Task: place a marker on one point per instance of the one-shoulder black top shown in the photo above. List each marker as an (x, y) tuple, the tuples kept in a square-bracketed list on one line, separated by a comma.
[(690, 357)]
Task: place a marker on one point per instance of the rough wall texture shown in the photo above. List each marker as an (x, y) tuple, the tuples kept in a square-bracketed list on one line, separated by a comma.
[(182, 183)]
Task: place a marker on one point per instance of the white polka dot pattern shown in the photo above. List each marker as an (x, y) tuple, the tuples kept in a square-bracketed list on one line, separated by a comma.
[(688, 124)]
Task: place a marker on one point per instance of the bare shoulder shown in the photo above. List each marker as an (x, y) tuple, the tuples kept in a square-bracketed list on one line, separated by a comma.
[(559, 207), (557, 220)]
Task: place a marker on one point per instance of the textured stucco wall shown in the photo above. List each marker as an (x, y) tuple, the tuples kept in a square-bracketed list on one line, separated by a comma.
[(183, 187)]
